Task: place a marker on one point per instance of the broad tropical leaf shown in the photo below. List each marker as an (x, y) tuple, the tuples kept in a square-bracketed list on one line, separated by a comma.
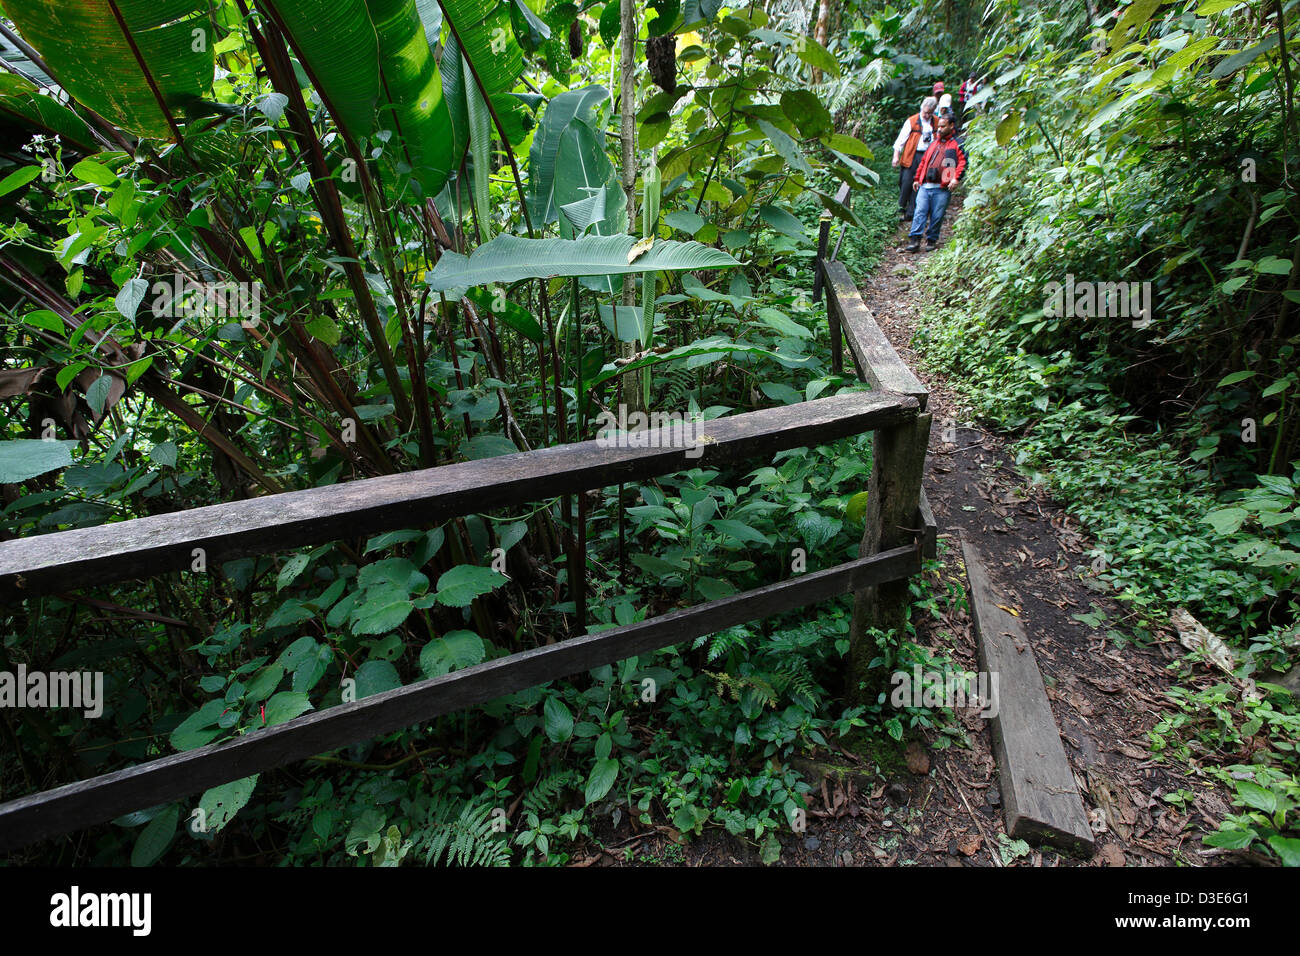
[(21, 102), (411, 93), (142, 77), (588, 193), (453, 95), (486, 59), (486, 38), (23, 64), (480, 145), (24, 458), (431, 16), (583, 171), (560, 112), (510, 259), (337, 44)]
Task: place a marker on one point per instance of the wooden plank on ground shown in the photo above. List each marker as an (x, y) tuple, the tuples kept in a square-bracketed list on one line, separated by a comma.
[(1039, 793), (88, 802), (877, 361), (68, 560)]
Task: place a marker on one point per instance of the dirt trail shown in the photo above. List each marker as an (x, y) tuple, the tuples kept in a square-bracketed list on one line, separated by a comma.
[(1105, 697)]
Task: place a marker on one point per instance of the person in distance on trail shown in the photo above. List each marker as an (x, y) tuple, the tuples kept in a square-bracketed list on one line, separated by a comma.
[(969, 87), (912, 142), (945, 107), (938, 172)]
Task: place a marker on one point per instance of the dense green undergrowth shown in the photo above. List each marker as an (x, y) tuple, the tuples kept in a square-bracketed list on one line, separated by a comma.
[(692, 737), (255, 265)]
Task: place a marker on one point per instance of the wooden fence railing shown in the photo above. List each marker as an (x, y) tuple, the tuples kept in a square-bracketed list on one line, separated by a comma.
[(899, 532)]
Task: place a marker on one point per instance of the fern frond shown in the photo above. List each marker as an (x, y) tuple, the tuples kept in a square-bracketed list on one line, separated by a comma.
[(736, 684), (677, 385), (468, 840), (544, 797), (724, 642)]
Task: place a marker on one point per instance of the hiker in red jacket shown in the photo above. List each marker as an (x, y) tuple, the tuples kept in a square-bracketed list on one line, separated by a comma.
[(913, 140), (940, 169)]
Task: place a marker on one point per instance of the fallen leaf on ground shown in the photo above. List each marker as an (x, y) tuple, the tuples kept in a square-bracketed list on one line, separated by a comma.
[(1111, 855), (1195, 636), (918, 761)]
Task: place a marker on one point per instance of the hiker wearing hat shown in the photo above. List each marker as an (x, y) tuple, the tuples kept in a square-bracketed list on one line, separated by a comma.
[(912, 142), (945, 109)]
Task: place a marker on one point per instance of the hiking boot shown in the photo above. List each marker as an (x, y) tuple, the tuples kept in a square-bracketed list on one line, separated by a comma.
[(932, 245), (913, 246)]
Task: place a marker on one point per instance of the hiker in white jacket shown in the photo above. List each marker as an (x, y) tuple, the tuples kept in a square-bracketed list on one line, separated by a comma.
[(912, 142)]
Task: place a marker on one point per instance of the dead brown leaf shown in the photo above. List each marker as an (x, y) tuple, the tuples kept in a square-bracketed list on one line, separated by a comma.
[(918, 761), (1111, 855)]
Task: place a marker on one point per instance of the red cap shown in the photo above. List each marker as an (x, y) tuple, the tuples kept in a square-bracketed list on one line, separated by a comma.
[(938, 87)]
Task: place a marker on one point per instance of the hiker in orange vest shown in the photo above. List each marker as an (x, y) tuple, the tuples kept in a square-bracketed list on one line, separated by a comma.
[(912, 142)]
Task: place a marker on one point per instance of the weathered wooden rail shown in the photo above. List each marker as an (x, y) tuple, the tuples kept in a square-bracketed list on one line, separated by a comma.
[(899, 533), (68, 560)]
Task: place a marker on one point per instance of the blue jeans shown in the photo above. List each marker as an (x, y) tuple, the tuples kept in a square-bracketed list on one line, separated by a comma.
[(932, 203)]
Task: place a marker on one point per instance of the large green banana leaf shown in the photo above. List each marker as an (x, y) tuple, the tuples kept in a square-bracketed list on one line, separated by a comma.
[(480, 147), (481, 61), (510, 259), (560, 112), (588, 193), (431, 16), (21, 103), (585, 181), (337, 43), (136, 62), (486, 37), (453, 94), (411, 94)]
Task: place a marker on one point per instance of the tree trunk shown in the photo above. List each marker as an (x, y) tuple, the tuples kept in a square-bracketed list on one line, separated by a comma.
[(630, 382), (820, 34)]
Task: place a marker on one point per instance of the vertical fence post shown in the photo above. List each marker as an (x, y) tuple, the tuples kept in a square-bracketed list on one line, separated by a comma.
[(822, 284), (823, 239), (894, 495), (578, 585), (837, 334)]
